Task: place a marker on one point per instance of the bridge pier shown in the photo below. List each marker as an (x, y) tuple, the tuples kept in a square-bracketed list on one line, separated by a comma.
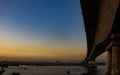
[(113, 57), (116, 60), (108, 62), (116, 54)]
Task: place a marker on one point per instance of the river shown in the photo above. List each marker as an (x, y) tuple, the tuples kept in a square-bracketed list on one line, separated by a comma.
[(53, 70)]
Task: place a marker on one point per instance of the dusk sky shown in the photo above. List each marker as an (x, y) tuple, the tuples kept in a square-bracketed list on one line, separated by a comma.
[(42, 30)]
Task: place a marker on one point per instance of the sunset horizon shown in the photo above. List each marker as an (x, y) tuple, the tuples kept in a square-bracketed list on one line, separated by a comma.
[(42, 30)]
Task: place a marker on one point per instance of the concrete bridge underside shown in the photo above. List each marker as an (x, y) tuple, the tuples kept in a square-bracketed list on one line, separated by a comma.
[(102, 26)]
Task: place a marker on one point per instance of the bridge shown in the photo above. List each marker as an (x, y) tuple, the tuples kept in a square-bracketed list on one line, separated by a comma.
[(102, 27)]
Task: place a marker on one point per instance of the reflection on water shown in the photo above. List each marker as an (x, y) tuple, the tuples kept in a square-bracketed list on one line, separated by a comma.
[(95, 71), (91, 71), (54, 70)]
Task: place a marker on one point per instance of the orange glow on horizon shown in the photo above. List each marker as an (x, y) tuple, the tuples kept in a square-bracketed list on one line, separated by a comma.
[(40, 52), (18, 46)]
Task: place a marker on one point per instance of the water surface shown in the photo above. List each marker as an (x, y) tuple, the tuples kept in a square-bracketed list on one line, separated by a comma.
[(53, 70)]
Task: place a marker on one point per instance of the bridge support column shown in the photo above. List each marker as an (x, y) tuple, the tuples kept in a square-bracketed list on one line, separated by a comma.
[(108, 62), (116, 60), (115, 46)]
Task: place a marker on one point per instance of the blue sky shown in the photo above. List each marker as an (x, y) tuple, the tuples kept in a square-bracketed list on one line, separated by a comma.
[(53, 17), (46, 20)]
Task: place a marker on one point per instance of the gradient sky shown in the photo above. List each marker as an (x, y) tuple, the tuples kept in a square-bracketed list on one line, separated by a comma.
[(42, 30)]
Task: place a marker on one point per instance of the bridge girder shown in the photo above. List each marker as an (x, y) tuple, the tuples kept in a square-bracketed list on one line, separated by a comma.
[(101, 18)]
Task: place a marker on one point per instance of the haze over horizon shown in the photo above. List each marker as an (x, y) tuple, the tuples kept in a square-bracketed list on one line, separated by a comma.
[(42, 30)]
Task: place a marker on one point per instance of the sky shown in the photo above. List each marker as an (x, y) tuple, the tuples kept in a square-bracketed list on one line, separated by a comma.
[(42, 30)]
